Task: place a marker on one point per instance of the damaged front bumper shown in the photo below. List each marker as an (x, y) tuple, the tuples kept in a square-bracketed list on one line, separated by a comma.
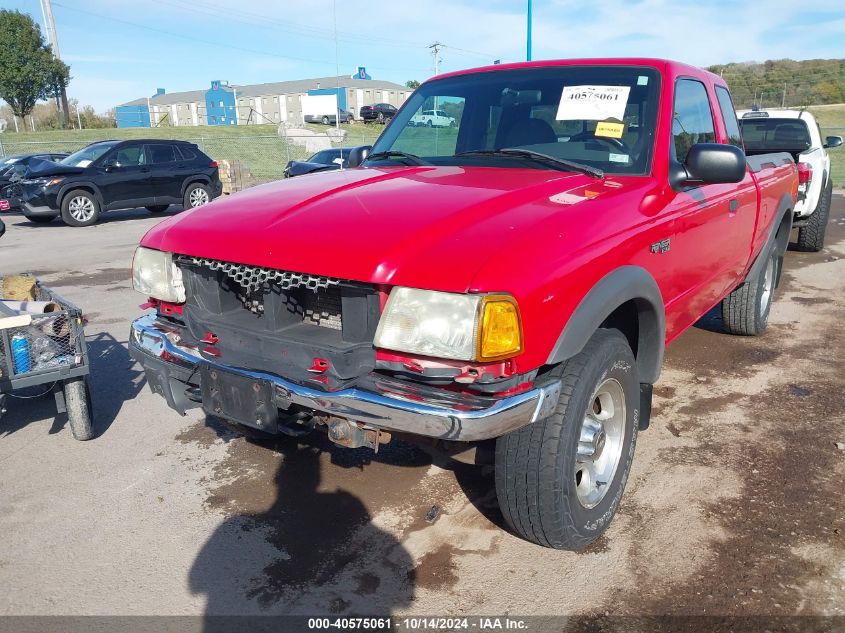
[(176, 372)]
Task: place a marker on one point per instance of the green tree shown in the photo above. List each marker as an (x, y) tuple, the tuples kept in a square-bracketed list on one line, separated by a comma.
[(413, 84), (28, 70)]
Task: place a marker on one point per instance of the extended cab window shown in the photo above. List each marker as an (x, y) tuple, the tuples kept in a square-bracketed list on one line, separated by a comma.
[(693, 119), (729, 115), (601, 116)]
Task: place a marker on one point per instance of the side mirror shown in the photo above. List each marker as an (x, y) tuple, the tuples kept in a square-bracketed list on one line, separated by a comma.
[(110, 164), (358, 155), (709, 163), (833, 141)]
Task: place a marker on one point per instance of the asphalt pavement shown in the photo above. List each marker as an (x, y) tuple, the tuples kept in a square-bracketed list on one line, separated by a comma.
[(734, 505)]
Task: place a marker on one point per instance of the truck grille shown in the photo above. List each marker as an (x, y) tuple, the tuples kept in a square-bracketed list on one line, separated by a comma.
[(252, 278), (314, 300)]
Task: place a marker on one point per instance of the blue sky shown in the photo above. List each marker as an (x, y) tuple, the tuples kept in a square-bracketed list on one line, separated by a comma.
[(123, 49)]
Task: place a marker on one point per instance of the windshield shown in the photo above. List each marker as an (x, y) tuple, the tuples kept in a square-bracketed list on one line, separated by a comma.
[(601, 116), (88, 155)]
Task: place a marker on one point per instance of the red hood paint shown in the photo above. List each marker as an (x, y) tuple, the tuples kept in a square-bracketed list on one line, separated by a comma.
[(409, 226)]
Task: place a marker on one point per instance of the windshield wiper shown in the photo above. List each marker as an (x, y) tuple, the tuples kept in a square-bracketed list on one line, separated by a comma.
[(392, 153), (517, 152)]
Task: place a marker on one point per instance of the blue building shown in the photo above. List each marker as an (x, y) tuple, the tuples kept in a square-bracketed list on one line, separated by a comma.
[(277, 102)]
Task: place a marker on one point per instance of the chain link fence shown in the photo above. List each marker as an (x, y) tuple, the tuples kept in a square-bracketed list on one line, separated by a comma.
[(259, 158), (256, 158)]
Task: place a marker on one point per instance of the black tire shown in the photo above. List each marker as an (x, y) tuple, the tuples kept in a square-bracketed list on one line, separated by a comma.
[(158, 208), (190, 192), (75, 198), (325, 120), (811, 235), (537, 467), (40, 219), (745, 311), (78, 403), (429, 123), (349, 119), (380, 117)]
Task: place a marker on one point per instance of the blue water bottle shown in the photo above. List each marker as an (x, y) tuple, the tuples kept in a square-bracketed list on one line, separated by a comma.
[(20, 352)]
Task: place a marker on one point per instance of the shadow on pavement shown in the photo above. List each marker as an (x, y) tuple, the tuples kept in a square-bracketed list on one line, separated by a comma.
[(114, 379), (328, 557), (106, 217)]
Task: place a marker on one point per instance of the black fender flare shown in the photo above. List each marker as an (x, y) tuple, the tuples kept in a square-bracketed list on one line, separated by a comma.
[(624, 284), (192, 179), (778, 238), (82, 184)]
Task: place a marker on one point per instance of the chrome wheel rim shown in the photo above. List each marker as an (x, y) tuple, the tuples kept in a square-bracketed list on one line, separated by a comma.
[(81, 208), (198, 197), (600, 443), (768, 285)]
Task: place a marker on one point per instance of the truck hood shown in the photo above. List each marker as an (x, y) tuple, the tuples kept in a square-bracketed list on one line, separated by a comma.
[(411, 226)]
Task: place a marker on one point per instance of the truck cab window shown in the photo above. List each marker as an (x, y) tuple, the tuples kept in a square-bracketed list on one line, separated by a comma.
[(693, 119), (729, 115)]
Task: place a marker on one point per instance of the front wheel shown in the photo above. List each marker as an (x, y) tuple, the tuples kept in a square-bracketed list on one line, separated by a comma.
[(196, 195), (381, 117), (746, 310), (80, 208), (559, 480), (78, 403), (325, 120), (811, 235)]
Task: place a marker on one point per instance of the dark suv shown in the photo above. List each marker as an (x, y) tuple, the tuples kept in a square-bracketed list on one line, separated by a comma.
[(381, 112), (120, 175)]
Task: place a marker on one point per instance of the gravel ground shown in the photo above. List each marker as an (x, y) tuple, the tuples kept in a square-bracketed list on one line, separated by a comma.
[(734, 506)]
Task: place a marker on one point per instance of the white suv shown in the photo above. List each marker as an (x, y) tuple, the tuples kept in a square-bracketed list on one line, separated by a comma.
[(432, 118), (797, 133)]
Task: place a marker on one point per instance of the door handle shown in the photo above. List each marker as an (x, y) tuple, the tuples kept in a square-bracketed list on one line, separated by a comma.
[(733, 205), (145, 170)]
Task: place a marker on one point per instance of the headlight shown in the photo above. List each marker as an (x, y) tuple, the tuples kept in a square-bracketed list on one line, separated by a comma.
[(448, 325), (155, 275)]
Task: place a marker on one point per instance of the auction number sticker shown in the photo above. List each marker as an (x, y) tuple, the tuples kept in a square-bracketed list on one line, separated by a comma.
[(592, 103)]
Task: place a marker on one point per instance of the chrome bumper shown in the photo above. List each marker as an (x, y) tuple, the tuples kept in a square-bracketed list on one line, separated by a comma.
[(385, 403)]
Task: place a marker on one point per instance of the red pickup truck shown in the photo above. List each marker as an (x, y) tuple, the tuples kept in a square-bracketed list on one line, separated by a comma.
[(503, 288)]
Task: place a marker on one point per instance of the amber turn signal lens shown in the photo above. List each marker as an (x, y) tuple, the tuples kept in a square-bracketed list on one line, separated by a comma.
[(500, 335)]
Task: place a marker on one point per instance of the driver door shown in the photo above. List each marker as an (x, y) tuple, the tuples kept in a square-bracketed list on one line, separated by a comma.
[(124, 178)]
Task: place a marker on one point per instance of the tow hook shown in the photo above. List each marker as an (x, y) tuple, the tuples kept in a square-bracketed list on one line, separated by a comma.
[(345, 433)]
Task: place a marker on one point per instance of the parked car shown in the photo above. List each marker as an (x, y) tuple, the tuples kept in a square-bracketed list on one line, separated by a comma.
[(797, 133), (432, 118), (380, 112), (120, 175), (13, 169), (330, 119), (324, 160), (505, 293)]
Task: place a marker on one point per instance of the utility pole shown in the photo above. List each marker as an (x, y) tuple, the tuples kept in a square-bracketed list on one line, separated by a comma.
[(336, 73), (783, 101), (435, 51), (50, 25), (528, 34)]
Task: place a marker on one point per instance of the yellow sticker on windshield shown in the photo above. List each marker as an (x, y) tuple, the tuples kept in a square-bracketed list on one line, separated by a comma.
[(610, 130)]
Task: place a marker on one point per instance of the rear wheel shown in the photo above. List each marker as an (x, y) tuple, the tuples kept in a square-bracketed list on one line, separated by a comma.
[(80, 208), (78, 403), (559, 480), (325, 120), (811, 235), (196, 195), (157, 208), (746, 310)]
